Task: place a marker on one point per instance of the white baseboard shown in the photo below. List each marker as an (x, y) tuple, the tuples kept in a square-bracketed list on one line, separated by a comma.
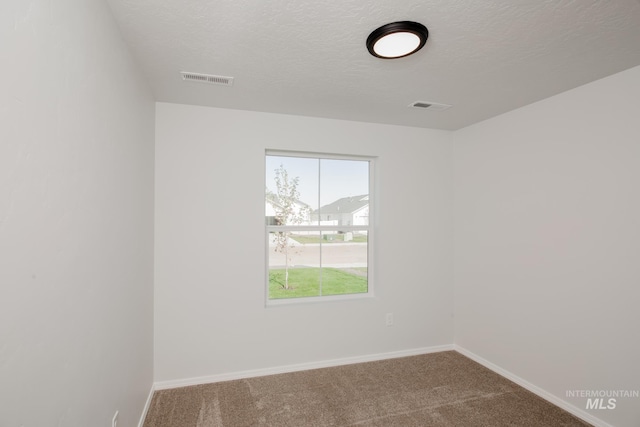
[(163, 385), (534, 389), (146, 406)]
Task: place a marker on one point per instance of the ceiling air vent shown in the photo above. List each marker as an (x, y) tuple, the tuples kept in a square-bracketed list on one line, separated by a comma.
[(434, 106), (207, 78)]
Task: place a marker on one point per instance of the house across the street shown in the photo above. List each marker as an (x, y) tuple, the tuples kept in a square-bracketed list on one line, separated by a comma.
[(352, 210), (272, 206)]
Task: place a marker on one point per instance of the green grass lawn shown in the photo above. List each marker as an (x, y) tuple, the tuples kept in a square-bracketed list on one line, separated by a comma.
[(336, 238), (305, 282)]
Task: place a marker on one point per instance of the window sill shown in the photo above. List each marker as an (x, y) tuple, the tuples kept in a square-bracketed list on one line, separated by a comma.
[(320, 299)]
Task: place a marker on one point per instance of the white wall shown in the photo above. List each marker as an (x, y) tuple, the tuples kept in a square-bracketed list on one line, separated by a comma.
[(547, 242), (209, 298), (76, 218)]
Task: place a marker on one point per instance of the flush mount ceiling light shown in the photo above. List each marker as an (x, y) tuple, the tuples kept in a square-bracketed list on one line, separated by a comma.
[(397, 40)]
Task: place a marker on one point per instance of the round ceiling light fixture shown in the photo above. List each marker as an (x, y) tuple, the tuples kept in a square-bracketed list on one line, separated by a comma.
[(397, 39)]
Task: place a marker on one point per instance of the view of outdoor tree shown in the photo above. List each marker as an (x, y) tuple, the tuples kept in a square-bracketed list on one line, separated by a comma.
[(287, 212)]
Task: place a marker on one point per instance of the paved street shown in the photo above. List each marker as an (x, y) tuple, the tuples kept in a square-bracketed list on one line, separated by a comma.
[(336, 255)]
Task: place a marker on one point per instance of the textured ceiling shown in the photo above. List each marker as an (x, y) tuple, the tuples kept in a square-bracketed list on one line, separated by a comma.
[(309, 57)]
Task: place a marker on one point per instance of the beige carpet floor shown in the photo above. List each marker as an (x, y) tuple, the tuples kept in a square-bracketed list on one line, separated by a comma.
[(439, 389)]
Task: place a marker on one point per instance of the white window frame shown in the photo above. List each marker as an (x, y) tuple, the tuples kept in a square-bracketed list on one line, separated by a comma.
[(370, 231)]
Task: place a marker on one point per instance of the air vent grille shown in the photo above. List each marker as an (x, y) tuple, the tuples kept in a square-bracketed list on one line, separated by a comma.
[(207, 78), (434, 106)]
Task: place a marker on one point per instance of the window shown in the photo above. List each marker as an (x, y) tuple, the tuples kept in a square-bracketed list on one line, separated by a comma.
[(318, 211)]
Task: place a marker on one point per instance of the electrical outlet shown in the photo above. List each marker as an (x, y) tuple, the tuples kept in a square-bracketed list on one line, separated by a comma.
[(389, 319), (114, 421)]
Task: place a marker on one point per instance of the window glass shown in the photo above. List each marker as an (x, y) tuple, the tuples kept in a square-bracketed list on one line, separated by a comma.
[(317, 216)]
